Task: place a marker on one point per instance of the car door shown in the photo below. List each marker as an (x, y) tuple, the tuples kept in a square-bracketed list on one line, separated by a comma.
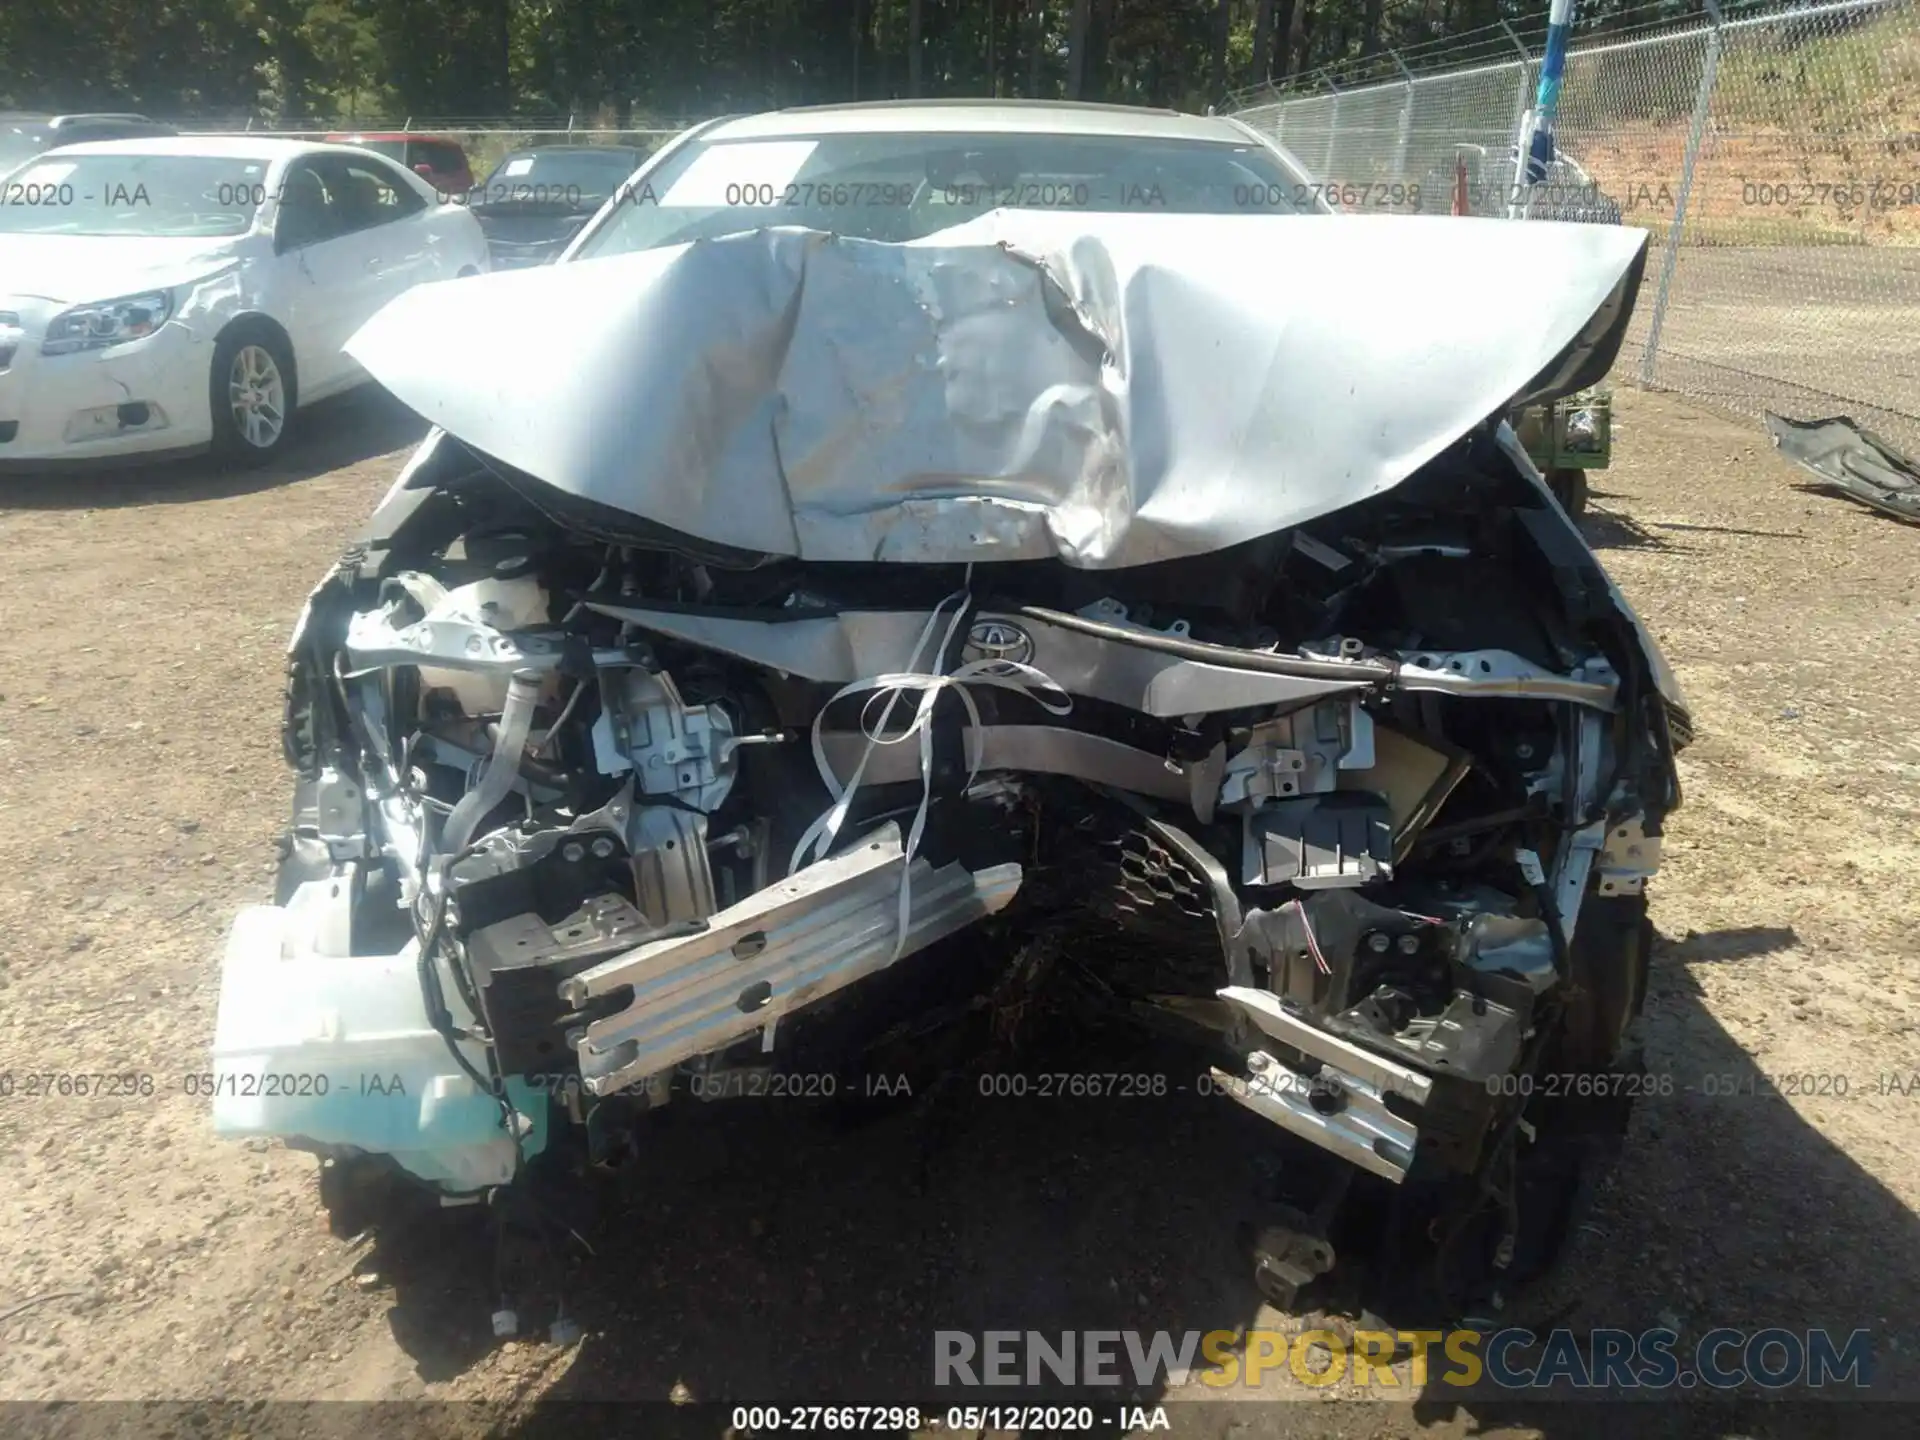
[(328, 284), (364, 253), (381, 204)]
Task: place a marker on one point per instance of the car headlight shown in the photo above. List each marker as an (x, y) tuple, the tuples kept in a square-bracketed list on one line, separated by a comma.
[(110, 322)]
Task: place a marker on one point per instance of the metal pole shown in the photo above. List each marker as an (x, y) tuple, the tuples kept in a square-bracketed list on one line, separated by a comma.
[(1702, 103), (1406, 121), (1333, 131), (1523, 97), (1534, 147)]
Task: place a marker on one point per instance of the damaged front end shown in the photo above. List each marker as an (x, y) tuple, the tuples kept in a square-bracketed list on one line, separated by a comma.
[(592, 813)]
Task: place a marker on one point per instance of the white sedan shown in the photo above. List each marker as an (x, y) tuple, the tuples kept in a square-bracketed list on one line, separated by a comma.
[(180, 293)]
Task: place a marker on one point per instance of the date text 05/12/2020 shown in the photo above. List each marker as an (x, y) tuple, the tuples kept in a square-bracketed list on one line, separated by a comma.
[(969, 1419)]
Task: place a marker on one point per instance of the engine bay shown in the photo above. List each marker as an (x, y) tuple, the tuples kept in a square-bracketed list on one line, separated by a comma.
[(590, 816)]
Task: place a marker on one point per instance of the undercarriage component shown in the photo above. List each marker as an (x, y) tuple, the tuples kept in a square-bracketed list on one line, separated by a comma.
[(1286, 1262), (795, 942), (1293, 1249)]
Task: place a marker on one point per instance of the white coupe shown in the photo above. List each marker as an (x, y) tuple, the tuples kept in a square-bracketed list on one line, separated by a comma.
[(180, 293)]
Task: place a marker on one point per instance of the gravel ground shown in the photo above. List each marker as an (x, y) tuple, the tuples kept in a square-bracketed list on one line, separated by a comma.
[(769, 1256)]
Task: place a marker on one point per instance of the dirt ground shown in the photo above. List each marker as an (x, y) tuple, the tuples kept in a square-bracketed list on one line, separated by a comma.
[(770, 1257)]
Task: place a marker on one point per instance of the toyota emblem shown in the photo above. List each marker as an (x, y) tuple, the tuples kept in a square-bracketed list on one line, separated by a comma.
[(1001, 643)]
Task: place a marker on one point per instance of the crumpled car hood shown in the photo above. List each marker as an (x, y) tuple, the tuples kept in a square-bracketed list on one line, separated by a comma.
[(1111, 390)]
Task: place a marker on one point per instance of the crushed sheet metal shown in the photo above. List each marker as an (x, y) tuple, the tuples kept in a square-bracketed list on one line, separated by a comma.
[(1112, 390), (1854, 462), (1664, 680), (783, 947)]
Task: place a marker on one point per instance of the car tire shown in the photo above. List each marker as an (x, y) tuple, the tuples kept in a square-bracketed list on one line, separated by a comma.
[(1569, 487), (252, 394)]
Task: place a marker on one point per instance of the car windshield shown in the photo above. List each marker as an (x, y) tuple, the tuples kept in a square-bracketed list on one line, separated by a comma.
[(904, 186), (21, 140), (76, 194), (570, 177)]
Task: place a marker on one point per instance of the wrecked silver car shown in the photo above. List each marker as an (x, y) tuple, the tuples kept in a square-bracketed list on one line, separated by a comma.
[(786, 639)]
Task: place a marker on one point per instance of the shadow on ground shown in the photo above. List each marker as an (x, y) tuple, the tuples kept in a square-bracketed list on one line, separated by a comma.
[(338, 432), (773, 1252), (1604, 528)]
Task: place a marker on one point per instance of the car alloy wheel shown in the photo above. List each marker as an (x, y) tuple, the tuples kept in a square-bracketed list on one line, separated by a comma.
[(258, 396)]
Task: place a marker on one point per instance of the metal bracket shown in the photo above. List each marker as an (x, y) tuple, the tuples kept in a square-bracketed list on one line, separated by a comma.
[(1629, 858), (784, 947), (1340, 1112), (342, 815)]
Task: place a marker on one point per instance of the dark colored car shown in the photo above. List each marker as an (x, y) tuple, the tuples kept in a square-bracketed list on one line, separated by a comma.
[(535, 201), (434, 158), (23, 136)]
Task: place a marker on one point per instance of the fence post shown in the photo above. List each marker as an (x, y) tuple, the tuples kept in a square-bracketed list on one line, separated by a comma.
[(1406, 121), (1702, 103), (1522, 103), (1333, 132)]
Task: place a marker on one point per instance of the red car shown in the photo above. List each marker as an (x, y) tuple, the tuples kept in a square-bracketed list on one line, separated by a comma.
[(436, 159)]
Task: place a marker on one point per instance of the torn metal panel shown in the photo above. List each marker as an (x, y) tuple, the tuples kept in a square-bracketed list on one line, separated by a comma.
[(1029, 385), (1855, 462)]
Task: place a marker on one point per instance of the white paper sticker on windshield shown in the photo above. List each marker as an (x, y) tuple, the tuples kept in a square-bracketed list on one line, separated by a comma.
[(51, 173), (519, 167), (724, 176)]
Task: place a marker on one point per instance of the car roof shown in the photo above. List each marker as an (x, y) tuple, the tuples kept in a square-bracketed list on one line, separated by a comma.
[(212, 147), (390, 135), (1052, 117)]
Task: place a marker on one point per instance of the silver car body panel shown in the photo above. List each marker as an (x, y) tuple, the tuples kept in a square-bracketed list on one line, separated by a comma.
[(1110, 390)]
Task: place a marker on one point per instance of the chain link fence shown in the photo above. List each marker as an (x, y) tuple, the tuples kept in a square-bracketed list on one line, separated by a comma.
[(1773, 157)]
